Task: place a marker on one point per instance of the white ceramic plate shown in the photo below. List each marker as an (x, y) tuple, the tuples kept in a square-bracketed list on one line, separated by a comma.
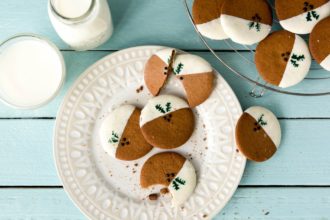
[(105, 188)]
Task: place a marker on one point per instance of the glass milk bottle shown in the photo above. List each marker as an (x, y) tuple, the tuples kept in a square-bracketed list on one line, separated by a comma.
[(82, 24)]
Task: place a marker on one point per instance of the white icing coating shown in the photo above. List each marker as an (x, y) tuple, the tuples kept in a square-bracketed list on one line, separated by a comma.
[(187, 174), (326, 63), (165, 54), (293, 75), (191, 64), (212, 30), (150, 112), (299, 24), (239, 31), (115, 122), (272, 128)]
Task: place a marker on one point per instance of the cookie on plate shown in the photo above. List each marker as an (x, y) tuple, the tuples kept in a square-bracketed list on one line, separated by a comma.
[(300, 16), (319, 43), (167, 122), (196, 75), (120, 134), (283, 59), (245, 21), (173, 171), (258, 134), (206, 15), (157, 69)]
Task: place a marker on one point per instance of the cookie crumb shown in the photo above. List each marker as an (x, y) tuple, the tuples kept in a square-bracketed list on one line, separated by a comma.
[(136, 164), (164, 191), (204, 139), (127, 166), (153, 197), (204, 216), (237, 150)]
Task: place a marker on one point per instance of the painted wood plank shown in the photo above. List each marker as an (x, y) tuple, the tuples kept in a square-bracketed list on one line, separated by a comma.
[(136, 23), (302, 159), (282, 105), (247, 203)]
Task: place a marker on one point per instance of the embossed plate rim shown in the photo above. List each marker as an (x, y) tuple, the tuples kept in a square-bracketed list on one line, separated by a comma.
[(59, 120)]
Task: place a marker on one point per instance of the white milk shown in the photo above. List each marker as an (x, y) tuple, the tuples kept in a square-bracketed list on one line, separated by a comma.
[(83, 24), (31, 71)]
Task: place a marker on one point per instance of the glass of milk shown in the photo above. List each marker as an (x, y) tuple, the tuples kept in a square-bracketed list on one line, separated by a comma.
[(82, 24), (32, 71)]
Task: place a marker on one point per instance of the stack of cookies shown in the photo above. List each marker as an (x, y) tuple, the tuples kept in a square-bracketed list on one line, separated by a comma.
[(282, 58), (166, 122)]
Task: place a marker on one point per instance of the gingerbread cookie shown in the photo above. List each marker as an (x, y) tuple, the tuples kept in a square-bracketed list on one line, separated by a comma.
[(319, 43), (121, 136), (282, 59), (245, 21), (258, 134), (167, 121), (300, 16), (206, 15), (195, 73), (173, 171), (157, 69)]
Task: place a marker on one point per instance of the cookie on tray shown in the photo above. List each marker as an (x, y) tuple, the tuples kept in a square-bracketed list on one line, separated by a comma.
[(167, 122), (195, 73), (120, 134), (172, 171), (157, 69), (300, 16), (245, 21), (258, 134), (283, 59), (206, 15), (319, 43)]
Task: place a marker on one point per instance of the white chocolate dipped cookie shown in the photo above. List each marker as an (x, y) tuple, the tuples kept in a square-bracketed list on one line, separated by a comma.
[(120, 134), (172, 171), (156, 69), (166, 121), (258, 134), (300, 16), (246, 22), (283, 59), (195, 73), (206, 15), (319, 43)]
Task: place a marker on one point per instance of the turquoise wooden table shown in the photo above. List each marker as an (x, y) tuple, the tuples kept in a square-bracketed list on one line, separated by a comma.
[(294, 184)]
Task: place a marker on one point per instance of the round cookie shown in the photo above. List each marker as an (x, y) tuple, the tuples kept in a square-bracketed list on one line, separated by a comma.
[(173, 171), (120, 134), (246, 22), (283, 59), (157, 69), (196, 75), (206, 15), (319, 43), (166, 121), (258, 134), (300, 16)]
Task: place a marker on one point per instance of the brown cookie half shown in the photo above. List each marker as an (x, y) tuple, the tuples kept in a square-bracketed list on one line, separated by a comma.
[(167, 122), (120, 134)]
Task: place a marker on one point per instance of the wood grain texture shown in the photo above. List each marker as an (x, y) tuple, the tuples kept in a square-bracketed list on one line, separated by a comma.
[(247, 203), (283, 106), (302, 159)]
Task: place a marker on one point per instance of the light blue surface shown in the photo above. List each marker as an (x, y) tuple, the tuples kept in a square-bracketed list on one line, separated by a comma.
[(292, 185)]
